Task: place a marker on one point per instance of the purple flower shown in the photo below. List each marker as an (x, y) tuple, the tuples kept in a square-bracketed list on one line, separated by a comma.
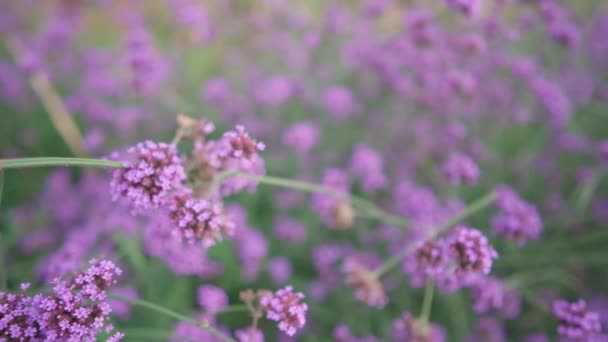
[(487, 329), (148, 68), (490, 293), (367, 288), (339, 102), (212, 298), (408, 328), (343, 334), (575, 321), (289, 230), (279, 270), (460, 168), (427, 261), (367, 164), (151, 171), (302, 136), (518, 220), (471, 255), (469, 7), (285, 307), (273, 91), (75, 311), (198, 219), (193, 17), (249, 334)]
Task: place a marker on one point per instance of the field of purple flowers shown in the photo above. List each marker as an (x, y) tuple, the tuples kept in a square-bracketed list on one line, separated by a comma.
[(280, 170)]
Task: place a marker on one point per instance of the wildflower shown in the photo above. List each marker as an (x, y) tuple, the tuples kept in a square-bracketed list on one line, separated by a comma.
[(284, 307), (471, 255), (366, 164), (460, 168), (575, 320), (279, 270), (364, 283), (212, 298), (149, 174), (302, 136), (491, 293), (408, 328), (518, 220), (75, 311), (469, 7), (249, 334), (339, 102), (427, 261), (199, 219)]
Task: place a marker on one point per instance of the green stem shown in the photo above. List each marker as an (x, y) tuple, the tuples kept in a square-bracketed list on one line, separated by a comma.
[(167, 312), (373, 210), (56, 161), (427, 302), (232, 308), (479, 204), (1, 185)]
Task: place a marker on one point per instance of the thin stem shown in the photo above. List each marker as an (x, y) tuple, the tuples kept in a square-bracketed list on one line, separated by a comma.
[(1, 184), (373, 210), (232, 308), (55, 107), (167, 312), (56, 161), (427, 301), (474, 207)]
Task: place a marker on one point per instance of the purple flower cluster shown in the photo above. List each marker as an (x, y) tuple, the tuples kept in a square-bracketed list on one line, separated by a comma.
[(518, 220), (284, 306), (575, 321), (408, 328), (151, 171), (76, 310), (199, 219), (460, 168), (367, 288), (470, 256)]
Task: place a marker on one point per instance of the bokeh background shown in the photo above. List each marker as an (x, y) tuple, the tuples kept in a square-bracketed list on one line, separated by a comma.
[(383, 91)]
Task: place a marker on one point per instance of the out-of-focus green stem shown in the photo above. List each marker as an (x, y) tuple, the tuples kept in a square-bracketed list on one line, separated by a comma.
[(167, 312), (427, 302), (468, 211), (18, 163), (232, 308), (371, 209)]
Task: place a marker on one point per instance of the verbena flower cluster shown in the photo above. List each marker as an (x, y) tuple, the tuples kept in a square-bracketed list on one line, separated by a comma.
[(364, 171), (77, 309)]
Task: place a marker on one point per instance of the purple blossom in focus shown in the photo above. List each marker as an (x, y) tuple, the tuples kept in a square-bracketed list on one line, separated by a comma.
[(285, 307), (151, 171)]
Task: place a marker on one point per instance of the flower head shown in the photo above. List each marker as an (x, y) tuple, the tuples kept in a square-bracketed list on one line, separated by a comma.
[(575, 321), (151, 171), (364, 283), (408, 328), (284, 306), (427, 261), (518, 220), (199, 219), (460, 168), (470, 255)]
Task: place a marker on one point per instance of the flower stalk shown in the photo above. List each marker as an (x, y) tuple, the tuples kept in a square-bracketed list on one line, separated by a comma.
[(167, 312)]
